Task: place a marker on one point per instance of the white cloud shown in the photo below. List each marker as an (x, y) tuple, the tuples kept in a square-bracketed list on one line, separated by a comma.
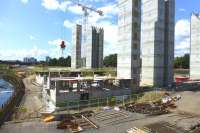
[(32, 37), (57, 42), (109, 9), (68, 24), (182, 10), (55, 5), (182, 36), (109, 12), (20, 54), (24, 1), (75, 9), (182, 28), (183, 45), (110, 31)]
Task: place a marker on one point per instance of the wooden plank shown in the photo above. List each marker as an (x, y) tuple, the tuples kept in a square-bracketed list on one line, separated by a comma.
[(138, 130), (94, 125)]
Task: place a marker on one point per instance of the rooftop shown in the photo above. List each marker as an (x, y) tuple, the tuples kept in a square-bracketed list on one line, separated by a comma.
[(82, 78), (196, 14)]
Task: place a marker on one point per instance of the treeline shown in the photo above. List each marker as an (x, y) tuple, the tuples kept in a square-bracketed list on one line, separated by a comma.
[(111, 61), (60, 62), (182, 62)]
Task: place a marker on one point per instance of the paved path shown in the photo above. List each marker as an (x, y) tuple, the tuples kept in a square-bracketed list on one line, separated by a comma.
[(32, 101)]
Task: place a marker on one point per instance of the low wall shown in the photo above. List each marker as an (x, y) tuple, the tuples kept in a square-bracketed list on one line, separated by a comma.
[(7, 110)]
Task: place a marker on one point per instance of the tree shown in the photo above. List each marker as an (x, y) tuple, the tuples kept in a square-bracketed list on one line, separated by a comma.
[(60, 62), (182, 62), (110, 60)]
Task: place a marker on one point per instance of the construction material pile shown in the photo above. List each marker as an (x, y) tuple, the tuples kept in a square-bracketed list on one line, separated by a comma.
[(69, 124), (145, 108), (160, 106), (73, 122), (138, 130)]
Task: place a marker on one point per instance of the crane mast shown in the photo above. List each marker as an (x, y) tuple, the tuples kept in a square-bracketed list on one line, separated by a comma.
[(86, 10)]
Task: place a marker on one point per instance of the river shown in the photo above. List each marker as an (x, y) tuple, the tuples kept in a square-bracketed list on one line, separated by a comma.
[(6, 90)]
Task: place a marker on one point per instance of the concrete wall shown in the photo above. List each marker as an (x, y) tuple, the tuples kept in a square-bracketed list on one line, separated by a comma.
[(39, 79), (94, 47), (128, 59), (76, 46), (158, 42), (195, 47)]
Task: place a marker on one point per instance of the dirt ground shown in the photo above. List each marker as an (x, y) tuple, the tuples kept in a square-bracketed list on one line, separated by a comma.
[(31, 103), (189, 102), (186, 115)]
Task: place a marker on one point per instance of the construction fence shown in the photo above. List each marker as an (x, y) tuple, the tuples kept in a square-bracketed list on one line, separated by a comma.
[(102, 102)]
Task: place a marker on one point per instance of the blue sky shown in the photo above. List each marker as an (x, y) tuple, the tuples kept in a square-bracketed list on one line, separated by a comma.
[(36, 27)]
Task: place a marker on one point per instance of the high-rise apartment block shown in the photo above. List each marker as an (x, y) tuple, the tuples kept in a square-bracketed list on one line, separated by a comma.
[(30, 60), (195, 47), (129, 26), (94, 47), (158, 42), (76, 46)]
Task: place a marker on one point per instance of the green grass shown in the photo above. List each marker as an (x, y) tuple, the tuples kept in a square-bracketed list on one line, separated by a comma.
[(150, 97), (3, 67), (85, 72)]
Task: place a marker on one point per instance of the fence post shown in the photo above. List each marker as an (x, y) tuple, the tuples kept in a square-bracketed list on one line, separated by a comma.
[(78, 106), (107, 101), (68, 107), (98, 103), (88, 103), (123, 101)]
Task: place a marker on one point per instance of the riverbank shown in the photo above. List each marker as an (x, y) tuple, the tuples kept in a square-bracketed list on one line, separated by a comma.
[(6, 91), (7, 110)]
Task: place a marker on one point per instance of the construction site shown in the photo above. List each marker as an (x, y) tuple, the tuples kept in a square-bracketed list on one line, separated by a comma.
[(158, 111), (141, 95)]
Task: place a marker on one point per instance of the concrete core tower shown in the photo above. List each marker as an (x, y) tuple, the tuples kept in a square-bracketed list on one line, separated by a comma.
[(158, 23), (195, 47), (128, 58)]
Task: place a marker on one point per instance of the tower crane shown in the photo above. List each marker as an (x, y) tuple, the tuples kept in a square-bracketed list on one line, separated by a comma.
[(86, 10)]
